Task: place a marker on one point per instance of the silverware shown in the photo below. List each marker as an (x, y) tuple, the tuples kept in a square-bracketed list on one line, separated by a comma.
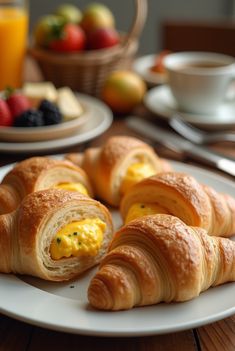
[(177, 143), (196, 135)]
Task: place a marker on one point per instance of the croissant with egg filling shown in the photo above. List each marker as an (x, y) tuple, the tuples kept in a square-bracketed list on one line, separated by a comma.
[(37, 173), (121, 162), (181, 195), (54, 234), (158, 258)]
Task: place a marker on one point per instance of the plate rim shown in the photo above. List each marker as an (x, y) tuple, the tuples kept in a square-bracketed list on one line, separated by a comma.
[(83, 330), (114, 333), (165, 113)]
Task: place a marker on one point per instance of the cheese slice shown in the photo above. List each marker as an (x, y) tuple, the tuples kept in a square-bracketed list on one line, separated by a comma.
[(36, 92), (68, 104)]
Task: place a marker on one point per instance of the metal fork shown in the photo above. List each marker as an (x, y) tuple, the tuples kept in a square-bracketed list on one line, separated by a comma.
[(196, 135)]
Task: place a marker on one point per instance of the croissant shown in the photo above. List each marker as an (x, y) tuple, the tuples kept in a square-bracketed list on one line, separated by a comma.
[(158, 258), (181, 195), (37, 173), (117, 165), (54, 234)]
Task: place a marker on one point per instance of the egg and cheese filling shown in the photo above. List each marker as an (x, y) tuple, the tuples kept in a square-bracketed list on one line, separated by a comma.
[(73, 187), (79, 238), (143, 209), (135, 173)]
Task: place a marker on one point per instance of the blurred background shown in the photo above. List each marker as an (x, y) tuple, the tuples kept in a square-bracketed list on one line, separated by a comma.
[(158, 11)]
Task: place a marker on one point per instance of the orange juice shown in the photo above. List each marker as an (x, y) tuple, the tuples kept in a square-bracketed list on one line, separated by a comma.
[(13, 37)]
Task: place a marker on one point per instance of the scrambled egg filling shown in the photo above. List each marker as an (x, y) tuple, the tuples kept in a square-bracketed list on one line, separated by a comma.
[(73, 187), (143, 209), (80, 238), (135, 173)]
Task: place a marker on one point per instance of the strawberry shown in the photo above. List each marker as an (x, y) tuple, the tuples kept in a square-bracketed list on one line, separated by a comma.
[(72, 38), (18, 103), (6, 118)]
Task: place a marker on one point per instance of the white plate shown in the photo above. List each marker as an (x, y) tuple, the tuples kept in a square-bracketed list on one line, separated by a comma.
[(160, 101), (142, 66), (64, 306), (99, 120)]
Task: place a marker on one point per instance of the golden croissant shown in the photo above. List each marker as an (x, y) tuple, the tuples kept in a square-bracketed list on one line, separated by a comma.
[(117, 165), (54, 234), (37, 173), (158, 258), (181, 195)]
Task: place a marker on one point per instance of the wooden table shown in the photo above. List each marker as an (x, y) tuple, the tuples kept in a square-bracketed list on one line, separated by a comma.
[(19, 336)]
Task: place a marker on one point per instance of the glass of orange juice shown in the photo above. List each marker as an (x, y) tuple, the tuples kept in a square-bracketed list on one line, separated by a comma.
[(13, 41)]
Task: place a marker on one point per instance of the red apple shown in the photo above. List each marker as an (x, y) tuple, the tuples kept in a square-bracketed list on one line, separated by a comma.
[(72, 38), (103, 38)]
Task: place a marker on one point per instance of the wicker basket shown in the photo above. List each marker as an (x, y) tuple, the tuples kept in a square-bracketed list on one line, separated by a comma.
[(85, 72)]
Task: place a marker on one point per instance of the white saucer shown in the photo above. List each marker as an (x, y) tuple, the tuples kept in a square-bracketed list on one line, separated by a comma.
[(160, 101), (100, 119), (142, 66)]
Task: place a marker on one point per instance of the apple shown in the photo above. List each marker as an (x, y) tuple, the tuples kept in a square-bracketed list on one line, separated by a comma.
[(102, 38), (123, 90), (70, 13), (71, 38), (45, 29), (96, 16)]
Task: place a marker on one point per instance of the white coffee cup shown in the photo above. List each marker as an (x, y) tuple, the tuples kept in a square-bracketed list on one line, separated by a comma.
[(199, 80)]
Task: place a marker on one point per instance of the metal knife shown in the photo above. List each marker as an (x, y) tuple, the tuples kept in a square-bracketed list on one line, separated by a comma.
[(177, 143)]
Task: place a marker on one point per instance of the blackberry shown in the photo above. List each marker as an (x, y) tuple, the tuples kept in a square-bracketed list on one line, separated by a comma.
[(29, 118), (51, 113)]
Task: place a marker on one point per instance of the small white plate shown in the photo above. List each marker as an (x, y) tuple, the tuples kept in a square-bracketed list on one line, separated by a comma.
[(56, 131), (142, 66), (32, 134), (97, 121), (64, 306), (160, 101)]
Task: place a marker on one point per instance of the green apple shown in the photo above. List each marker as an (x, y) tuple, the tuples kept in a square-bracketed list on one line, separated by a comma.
[(95, 16), (46, 28), (70, 13)]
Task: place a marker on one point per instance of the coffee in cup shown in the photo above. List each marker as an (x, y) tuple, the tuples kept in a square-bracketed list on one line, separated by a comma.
[(199, 80)]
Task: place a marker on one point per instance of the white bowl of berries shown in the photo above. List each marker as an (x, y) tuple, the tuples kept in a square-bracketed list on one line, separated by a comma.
[(40, 112)]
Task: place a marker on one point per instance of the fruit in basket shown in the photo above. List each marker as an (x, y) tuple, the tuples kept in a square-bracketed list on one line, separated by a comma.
[(6, 118), (123, 90), (71, 38), (17, 103), (70, 30), (70, 13), (47, 28), (102, 38), (97, 15)]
